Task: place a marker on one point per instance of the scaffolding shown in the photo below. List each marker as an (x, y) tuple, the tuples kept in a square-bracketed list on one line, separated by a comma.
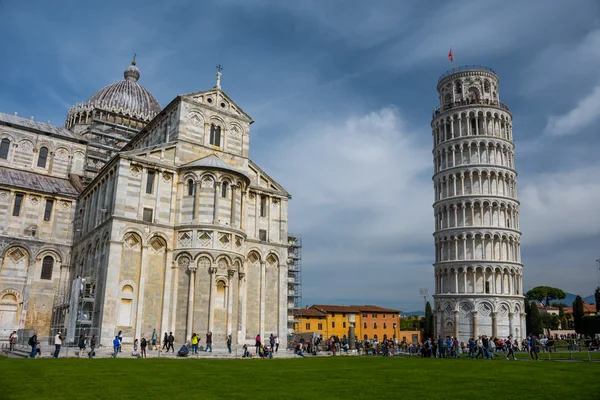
[(75, 312), (294, 280)]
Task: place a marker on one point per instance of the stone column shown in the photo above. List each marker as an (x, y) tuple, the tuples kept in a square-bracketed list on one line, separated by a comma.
[(242, 308), (211, 303), (174, 284), (197, 200), (216, 208), (494, 324), (263, 275), (510, 324), (243, 211), (190, 305), (232, 222), (438, 325), (166, 297), (230, 274), (282, 298), (456, 324), (141, 289), (475, 327), (523, 331)]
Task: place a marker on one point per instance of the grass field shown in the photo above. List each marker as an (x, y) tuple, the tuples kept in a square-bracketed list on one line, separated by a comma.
[(310, 378)]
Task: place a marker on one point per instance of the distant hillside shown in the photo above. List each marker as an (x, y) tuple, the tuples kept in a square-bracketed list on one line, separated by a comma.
[(571, 298), (413, 313)]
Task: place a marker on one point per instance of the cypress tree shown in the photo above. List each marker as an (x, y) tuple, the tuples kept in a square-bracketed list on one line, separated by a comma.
[(578, 314), (527, 317), (428, 321), (537, 325)]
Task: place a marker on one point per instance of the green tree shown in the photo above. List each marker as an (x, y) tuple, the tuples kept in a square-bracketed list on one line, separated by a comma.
[(428, 321), (537, 325), (545, 294), (597, 296), (578, 314)]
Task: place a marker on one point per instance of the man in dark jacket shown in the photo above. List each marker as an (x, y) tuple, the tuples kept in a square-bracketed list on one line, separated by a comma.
[(208, 342), (534, 349), (171, 340), (33, 344)]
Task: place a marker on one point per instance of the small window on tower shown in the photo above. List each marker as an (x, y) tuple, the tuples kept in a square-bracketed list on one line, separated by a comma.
[(190, 187), (262, 235)]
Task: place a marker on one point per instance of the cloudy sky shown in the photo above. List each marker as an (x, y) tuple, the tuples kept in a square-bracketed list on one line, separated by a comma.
[(342, 94)]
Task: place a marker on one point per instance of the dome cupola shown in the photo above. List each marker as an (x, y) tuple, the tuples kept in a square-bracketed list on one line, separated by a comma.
[(125, 102)]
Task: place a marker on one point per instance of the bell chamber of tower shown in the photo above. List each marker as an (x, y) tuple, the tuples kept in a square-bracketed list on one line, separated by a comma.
[(478, 270)]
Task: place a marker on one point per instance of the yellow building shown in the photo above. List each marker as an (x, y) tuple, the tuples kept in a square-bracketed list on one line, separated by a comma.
[(369, 321)]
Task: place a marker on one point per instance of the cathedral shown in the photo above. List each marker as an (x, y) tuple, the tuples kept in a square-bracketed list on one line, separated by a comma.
[(134, 217)]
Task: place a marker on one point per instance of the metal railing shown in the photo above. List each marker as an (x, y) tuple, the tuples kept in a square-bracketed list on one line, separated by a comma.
[(466, 68)]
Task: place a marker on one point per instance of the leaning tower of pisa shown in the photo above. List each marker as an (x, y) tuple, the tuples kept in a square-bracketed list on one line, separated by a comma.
[(478, 270)]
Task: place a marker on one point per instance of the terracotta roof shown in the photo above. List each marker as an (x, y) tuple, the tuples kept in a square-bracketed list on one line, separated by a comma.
[(334, 308), (309, 312), (355, 309), (377, 309), (587, 309)]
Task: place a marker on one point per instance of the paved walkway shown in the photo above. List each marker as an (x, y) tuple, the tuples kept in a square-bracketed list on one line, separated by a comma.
[(106, 352)]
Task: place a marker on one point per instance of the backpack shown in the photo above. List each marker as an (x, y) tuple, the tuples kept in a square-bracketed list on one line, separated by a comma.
[(30, 342)]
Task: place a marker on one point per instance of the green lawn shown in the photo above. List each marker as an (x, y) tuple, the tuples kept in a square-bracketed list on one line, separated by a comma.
[(310, 378)]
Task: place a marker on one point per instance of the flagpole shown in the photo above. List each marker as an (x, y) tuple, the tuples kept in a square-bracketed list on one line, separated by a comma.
[(453, 63)]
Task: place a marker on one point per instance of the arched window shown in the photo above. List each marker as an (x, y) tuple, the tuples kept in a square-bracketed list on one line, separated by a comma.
[(47, 264), (190, 187), (486, 86), (125, 307), (224, 189), (458, 87), (220, 298), (42, 157), (4, 148), (215, 135)]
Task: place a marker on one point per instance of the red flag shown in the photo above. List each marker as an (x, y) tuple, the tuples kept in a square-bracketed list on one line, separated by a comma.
[(450, 56)]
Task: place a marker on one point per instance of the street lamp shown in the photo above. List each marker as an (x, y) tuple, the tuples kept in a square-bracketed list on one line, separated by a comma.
[(423, 292)]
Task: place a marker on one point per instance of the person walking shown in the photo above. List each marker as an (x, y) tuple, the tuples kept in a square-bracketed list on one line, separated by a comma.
[(120, 335), (166, 342), (92, 346), (272, 341), (229, 343), (257, 343), (57, 344), (116, 346), (276, 343), (143, 345), (12, 340), (480, 348), (154, 338), (171, 340), (81, 345), (33, 344), (534, 347), (208, 342), (509, 348), (195, 339)]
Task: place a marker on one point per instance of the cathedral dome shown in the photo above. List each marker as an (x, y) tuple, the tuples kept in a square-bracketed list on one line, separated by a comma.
[(126, 97)]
